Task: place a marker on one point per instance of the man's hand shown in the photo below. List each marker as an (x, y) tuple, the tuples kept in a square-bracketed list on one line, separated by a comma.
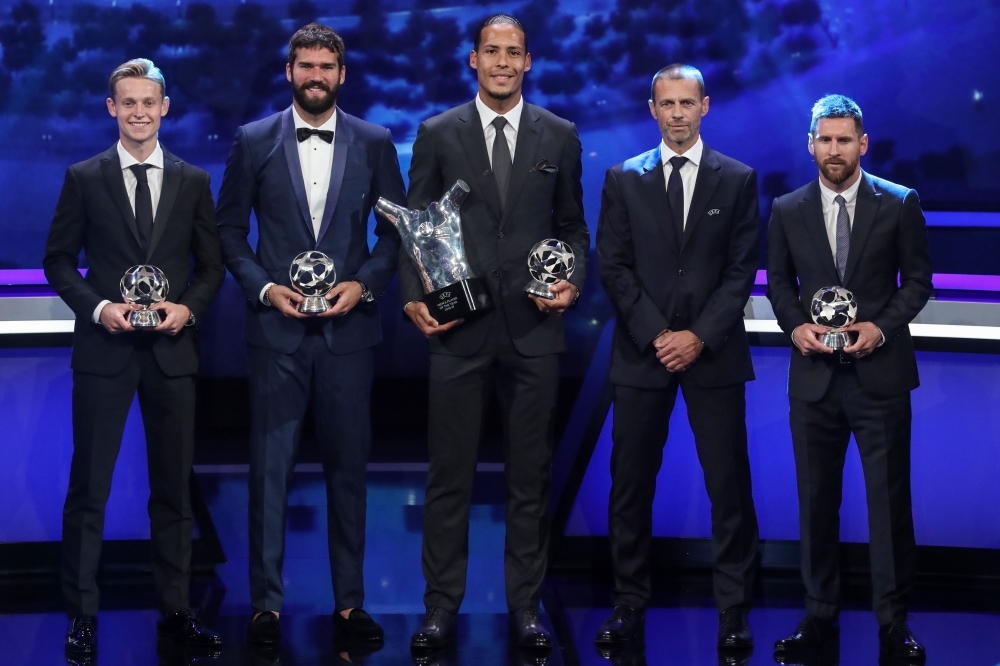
[(678, 350), (173, 317), (808, 339), (347, 294), (565, 293), (286, 300), (869, 337), (114, 318), (421, 317)]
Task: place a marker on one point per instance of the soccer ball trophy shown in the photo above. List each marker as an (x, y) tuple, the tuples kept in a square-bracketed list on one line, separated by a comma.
[(836, 307), (313, 274), (550, 261), (144, 285)]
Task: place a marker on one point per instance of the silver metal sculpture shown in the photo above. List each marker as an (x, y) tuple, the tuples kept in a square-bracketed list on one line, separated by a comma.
[(144, 285), (836, 307)]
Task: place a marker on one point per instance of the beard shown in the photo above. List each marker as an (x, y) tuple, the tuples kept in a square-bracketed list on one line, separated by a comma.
[(848, 170), (499, 96), (315, 106)]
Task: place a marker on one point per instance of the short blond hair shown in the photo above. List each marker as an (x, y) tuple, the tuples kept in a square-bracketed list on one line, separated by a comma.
[(137, 68)]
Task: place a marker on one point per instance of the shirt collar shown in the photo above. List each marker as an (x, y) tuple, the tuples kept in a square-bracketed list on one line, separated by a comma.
[(486, 114), (330, 124), (693, 153), (126, 159), (850, 194)]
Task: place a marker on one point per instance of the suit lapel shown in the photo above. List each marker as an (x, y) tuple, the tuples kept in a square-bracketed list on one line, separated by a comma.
[(111, 168), (529, 136), (341, 143), (811, 211), (865, 210), (291, 147), (470, 132), (704, 187), (168, 195), (655, 189)]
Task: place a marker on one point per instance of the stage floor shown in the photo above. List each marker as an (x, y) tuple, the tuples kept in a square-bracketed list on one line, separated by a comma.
[(957, 625)]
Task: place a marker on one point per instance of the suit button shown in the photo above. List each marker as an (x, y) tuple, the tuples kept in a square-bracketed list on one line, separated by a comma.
[(496, 273), (680, 271), (500, 235)]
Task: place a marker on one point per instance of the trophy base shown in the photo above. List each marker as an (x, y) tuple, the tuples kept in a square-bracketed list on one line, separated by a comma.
[(836, 339), (459, 300), (144, 319), (540, 289), (313, 305)]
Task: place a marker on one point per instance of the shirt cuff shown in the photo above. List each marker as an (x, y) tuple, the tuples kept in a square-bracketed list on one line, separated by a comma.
[(97, 311), (264, 291), (881, 342)]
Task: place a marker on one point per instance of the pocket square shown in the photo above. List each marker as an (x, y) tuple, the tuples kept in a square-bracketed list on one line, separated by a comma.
[(544, 166), (714, 211)]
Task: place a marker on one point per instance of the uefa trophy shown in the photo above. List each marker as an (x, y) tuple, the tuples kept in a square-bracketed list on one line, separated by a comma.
[(550, 261), (313, 274), (433, 240), (144, 285), (836, 307)]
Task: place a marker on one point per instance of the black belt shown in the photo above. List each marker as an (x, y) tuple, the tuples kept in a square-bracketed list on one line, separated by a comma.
[(844, 361)]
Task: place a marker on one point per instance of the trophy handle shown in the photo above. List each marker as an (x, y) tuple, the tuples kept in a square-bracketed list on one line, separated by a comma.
[(456, 194), (390, 211)]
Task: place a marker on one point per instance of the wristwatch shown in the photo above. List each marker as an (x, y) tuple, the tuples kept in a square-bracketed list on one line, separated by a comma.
[(366, 294), (191, 320), (265, 297)]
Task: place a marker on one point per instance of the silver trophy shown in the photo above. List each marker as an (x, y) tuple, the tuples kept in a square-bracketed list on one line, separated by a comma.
[(144, 285), (836, 307), (313, 274), (433, 240), (550, 261)]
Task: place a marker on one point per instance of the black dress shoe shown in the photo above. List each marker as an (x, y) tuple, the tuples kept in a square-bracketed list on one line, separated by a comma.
[(358, 626), (185, 628), (529, 630), (81, 637), (734, 630), (814, 634), (264, 629), (436, 630), (897, 641), (624, 624)]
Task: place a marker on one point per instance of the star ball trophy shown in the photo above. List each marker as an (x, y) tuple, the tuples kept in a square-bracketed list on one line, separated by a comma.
[(550, 261), (433, 240), (144, 285), (836, 307), (313, 274)]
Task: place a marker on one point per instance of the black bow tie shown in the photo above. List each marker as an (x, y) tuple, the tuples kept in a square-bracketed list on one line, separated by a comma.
[(303, 133)]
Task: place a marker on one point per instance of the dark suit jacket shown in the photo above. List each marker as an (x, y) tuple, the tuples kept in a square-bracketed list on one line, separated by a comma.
[(263, 175), (700, 282), (540, 204), (888, 239), (94, 214)]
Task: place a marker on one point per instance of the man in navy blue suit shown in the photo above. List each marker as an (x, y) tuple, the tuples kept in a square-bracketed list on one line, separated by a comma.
[(310, 174)]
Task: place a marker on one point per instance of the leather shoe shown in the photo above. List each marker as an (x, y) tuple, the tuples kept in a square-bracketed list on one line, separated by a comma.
[(264, 629), (897, 641), (436, 630), (624, 624), (734, 630), (81, 637), (530, 631), (813, 634), (187, 629), (358, 626)]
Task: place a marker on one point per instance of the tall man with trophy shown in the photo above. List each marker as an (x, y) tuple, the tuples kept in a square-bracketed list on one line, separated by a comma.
[(146, 221), (520, 167), (857, 243), (310, 174)]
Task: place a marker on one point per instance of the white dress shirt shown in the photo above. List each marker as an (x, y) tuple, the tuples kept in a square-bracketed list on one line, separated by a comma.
[(513, 117), (831, 209), (689, 172), (154, 177)]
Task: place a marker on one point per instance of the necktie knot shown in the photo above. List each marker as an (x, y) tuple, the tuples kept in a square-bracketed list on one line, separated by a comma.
[(840, 200), (499, 123), (139, 171), (303, 133), (677, 162)]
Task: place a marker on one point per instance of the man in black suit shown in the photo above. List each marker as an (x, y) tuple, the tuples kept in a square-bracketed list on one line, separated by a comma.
[(866, 234), (135, 203), (677, 242), (310, 174), (523, 167)]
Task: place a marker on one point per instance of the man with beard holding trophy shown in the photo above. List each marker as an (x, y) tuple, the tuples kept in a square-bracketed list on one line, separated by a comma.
[(522, 167), (850, 229), (311, 174)]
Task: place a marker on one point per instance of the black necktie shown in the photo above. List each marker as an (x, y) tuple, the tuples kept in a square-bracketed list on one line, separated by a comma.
[(501, 158), (143, 204), (303, 133), (675, 194)]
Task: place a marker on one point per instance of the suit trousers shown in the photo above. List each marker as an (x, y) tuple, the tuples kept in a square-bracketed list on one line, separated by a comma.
[(821, 432), (460, 388), (100, 409), (718, 420), (282, 387)]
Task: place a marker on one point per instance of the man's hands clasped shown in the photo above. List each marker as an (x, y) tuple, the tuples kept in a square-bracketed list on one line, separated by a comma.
[(808, 338), (287, 300), (677, 350), (173, 317)]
